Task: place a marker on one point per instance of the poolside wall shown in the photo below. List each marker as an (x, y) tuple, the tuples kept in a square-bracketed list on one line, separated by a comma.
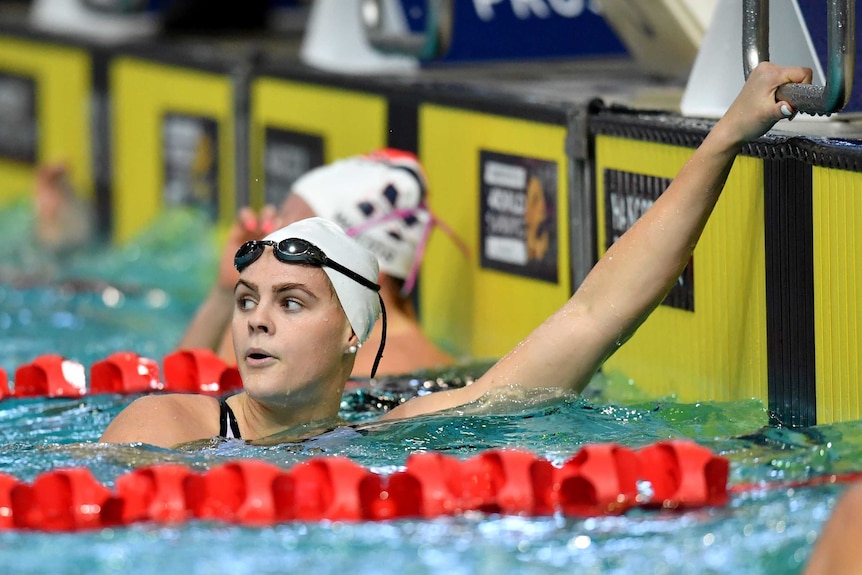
[(770, 307), (47, 86)]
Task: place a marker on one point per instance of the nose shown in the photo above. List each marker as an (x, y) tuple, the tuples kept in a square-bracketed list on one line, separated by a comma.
[(260, 322)]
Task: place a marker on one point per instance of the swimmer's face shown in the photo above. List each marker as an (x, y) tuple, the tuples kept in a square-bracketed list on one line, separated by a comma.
[(290, 335)]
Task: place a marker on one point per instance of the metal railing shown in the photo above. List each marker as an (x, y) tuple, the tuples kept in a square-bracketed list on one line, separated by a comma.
[(835, 93), (432, 42)]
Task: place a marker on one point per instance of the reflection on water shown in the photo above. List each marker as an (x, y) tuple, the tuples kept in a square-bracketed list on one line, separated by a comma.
[(140, 296)]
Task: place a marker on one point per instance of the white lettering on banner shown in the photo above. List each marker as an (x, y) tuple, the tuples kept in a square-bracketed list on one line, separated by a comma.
[(618, 211), (507, 250), (625, 210), (485, 8), (507, 201), (13, 100), (182, 136), (506, 175), (524, 9), (286, 161), (567, 8), (504, 225)]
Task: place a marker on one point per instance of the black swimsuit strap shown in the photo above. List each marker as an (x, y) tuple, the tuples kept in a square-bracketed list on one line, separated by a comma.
[(227, 418)]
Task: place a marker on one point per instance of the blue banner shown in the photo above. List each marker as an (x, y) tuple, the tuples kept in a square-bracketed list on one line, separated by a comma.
[(522, 29)]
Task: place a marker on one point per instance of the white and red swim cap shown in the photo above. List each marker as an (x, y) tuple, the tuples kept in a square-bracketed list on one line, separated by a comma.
[(379, 199)]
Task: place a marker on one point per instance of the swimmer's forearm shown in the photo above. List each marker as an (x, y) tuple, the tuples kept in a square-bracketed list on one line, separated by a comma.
[(567, 349), (634, 275), (637, 271), (640, 268)]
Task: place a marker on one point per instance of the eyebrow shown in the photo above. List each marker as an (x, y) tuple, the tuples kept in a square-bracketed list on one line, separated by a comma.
[(277, 288), (241, 282)]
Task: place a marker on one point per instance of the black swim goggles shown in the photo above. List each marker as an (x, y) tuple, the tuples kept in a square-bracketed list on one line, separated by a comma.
[(299, 251)]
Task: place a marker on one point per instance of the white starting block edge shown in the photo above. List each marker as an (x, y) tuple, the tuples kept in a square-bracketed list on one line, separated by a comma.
[(75, 19), (335, 41)]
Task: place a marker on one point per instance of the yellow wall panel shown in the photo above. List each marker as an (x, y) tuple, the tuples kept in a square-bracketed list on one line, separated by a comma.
[(349, 122), (717, 352), (473, 311), (837, 205), (62, 75), (142, 93)]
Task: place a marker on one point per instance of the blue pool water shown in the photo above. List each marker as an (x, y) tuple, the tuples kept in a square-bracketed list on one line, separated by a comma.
[(144, 296)]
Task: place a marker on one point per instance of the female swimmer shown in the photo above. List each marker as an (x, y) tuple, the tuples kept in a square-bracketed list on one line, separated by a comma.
[(307, 298)]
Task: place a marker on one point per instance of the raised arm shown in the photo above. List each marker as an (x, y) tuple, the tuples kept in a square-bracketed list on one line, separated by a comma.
[(636, 273)]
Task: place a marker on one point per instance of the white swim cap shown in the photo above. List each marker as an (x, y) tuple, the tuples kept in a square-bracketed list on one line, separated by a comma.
[(361, 304), (366, 189)]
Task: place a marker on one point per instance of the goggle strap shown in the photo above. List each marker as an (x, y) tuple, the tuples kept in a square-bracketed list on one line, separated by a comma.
[(364, 282), (399, 213), (410, 280), (382, 338)]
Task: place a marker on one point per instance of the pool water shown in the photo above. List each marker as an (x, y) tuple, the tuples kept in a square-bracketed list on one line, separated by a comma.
[(140, 296)]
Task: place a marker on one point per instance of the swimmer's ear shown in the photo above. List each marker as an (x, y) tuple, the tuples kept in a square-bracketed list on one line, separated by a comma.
[(353, 343)]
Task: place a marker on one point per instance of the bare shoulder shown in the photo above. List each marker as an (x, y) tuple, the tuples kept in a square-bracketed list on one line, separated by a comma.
[(164, 420)]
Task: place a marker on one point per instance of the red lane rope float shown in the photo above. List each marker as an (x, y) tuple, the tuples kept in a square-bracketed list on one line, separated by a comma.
[(599, 480), (4, 384), (50, 375), (124, 372), (602, 478), (676, 472), (61, 500), (7, 483), (243, 491), (199, 371)]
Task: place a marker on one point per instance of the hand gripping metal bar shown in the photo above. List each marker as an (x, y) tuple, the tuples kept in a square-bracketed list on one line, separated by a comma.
[(826, 99)]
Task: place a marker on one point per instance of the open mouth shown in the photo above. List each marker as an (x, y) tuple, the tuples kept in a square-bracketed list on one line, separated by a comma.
[(257, 355)]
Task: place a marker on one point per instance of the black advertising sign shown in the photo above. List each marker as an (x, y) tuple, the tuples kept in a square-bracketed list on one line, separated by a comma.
[(19, 126), (627, 196), (190, 151), (519, 215), (287, 156)]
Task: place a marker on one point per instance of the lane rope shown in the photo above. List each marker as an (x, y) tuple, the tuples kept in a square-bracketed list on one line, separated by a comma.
[(600, 479)]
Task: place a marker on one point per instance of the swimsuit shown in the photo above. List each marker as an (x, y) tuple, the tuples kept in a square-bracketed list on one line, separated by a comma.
[(229, 428), (228, 425)]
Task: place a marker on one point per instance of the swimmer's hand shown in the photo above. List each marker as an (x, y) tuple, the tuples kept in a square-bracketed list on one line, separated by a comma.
[(755, 110), (63, 221)]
